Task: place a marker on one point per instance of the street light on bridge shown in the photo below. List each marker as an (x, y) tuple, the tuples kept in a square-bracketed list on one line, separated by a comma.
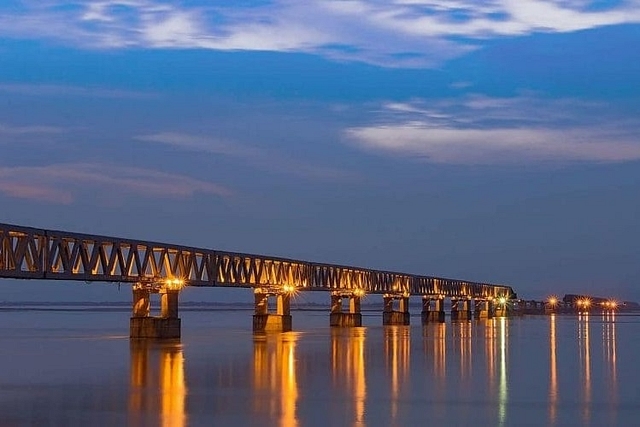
[(289, 289), (174, 284), (358, 292)]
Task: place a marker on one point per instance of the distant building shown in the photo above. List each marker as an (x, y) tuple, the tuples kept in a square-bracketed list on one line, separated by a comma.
[(597, 301)]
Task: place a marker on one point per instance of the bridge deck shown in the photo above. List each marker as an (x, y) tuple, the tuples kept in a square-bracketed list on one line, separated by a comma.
[(31, 253)]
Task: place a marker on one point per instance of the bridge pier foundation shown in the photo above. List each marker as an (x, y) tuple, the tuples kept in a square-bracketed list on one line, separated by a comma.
[(339, 318), (500, 310), (143, 325), (436, 315), (460, 310), (483, 309), (396, 317), (280, 321)]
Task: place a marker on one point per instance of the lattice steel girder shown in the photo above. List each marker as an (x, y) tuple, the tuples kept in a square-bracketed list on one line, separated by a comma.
[(31, 253)]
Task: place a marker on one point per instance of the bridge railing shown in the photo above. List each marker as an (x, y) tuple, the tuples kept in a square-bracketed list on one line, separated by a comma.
[(31, 253)]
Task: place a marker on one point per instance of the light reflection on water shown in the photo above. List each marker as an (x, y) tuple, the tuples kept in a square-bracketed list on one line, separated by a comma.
[(397, 348), (553, 371), (274, 376), (157, 383), (544, 370), (585, 365), (349, 368), (503, 387)]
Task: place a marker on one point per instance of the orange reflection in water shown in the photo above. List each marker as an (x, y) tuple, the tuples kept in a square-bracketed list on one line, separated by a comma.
[(490, 346), (397, 345), (553, 371), (585, 364), (503, 390), (610, 363), (157, 382), (435, 347), (348, 366), (462, 333), (609, 340), (274, 377)]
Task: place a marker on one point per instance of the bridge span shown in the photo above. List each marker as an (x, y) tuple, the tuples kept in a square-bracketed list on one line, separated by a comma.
[(152, 267)]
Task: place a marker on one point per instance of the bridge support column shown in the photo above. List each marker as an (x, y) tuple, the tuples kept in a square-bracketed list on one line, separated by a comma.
[(460, 310), (396, 317), (483, 309), (432, 315), (338, 318), (500, 307), (280, 321), (142, 325)]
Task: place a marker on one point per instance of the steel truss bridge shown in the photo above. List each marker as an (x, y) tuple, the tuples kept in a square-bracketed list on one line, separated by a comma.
[(32, 253)]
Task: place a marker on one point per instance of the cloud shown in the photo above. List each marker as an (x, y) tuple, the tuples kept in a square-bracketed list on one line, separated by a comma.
[(40, 192), (483, 130), (63, 90), (62, 183), (6, 130), (256, 157), (28, 134), (400, 33)]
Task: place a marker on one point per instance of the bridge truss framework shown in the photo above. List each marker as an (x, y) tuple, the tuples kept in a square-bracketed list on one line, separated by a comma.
[(31, 253)]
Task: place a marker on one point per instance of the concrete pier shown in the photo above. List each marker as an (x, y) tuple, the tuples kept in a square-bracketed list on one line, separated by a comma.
[(280, 321), (500, 309), (432, 310), (338, 318), (143, 325), (396, 317), (460, 310), (154, 327), (482, 309)]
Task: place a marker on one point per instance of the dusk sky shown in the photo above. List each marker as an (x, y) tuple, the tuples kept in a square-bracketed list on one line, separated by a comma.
[(487, 140)]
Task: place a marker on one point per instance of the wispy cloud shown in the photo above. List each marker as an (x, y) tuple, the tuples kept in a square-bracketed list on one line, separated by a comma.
[(28, 134), (7, 130), (407, 33), (483, 130), (256, 157), (63, 90), (64, 182)]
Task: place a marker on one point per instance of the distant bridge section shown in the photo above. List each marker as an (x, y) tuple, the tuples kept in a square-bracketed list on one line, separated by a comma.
[(31, 253)]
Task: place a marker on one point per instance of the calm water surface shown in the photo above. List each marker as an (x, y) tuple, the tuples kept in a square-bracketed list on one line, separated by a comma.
[(80, 368)]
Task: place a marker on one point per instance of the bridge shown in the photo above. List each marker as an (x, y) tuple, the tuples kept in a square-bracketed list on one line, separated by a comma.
[(164, 269)]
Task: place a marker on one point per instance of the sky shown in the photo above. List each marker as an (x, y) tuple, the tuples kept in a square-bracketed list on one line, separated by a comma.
[(494, 140)]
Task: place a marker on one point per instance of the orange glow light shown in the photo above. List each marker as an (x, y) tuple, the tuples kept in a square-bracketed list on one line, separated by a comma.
[(174, 283), (358, 292)]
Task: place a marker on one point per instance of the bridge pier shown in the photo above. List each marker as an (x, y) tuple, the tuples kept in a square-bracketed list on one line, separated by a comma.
[(460, 309), (435, 315), (341, 319), (280, 321), (500, 308), (396, 317), (482, 309), (143, 325)]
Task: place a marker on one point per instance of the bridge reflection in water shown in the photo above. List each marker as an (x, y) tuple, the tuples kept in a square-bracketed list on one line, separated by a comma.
[(348, 366), (157, 383), (553, 371), (397, 352), (585, 364), (609, 355), (275, 384), (457, 362)]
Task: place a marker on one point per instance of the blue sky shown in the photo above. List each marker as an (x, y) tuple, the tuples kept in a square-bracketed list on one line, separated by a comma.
[(489, 140)]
